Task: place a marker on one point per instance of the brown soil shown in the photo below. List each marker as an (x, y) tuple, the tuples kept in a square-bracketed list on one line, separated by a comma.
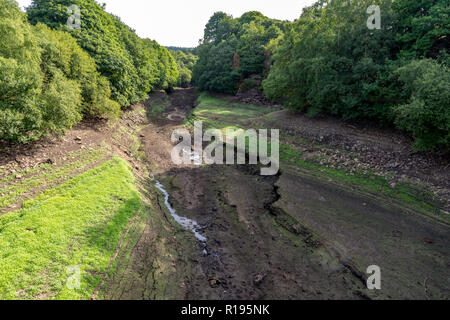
[(296, 236), (292, 236)]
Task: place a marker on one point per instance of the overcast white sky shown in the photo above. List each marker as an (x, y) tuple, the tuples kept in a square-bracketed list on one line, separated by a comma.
[(181, 22)]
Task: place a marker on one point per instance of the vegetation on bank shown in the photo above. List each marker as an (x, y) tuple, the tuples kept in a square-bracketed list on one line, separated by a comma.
[(326, 62), (134, 66), (47, 82), (185, 62), (233, 49), (51, 76), (329, 61)]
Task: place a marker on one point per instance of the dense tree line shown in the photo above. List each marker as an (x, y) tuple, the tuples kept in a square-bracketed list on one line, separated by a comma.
[(47, 82), (233, 49), (186, 61), (329, 61), (134, 66), (52, 75), (183, 49)]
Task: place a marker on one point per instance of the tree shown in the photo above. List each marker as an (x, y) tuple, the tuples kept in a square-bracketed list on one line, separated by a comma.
[(330, 62), (185, 63), (228, 41), (127, 61), (423, 27), (426, 114), (61, 52)]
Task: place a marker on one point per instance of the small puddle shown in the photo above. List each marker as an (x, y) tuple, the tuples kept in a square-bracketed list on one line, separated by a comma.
[(184, 222)]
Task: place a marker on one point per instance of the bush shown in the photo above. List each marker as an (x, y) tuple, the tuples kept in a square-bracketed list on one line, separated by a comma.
[(61, 104), (330, 62), (20, 76), (60, 51), (20, 116), (427, 113)]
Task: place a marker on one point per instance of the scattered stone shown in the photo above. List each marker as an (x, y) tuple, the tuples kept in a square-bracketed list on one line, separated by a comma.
[(214, 282), (258, 279)]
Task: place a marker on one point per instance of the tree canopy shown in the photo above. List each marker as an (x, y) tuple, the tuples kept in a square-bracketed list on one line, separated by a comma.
[(52, 75), (232, 49), (186, 61), (329, 61), (47, 81), (332, 61), (133, 66)]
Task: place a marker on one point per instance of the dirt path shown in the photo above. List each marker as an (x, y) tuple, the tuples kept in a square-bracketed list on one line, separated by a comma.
[(294, 236)]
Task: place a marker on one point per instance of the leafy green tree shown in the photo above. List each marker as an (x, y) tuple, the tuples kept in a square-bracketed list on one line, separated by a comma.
[(185, 63), (219, 27), (233, 49), (214, 72), (99, 36), (330, 62), (60, 103), (47, 82), (427, 112), (133, 66), (60, 52), (20, 76), (423, 27)]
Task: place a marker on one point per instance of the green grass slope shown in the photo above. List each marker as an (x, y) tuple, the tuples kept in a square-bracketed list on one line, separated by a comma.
[(76, 224)]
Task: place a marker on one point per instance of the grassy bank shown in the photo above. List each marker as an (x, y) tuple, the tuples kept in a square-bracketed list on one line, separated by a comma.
[(76, 224), (220, 113)]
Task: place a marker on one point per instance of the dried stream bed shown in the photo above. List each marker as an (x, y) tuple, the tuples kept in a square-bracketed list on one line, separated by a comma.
[(291, 236)]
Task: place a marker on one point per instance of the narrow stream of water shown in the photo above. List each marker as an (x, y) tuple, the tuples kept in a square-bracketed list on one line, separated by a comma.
[(184, 222)]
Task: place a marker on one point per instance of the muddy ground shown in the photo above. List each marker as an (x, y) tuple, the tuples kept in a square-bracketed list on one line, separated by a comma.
[(296, 236)]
